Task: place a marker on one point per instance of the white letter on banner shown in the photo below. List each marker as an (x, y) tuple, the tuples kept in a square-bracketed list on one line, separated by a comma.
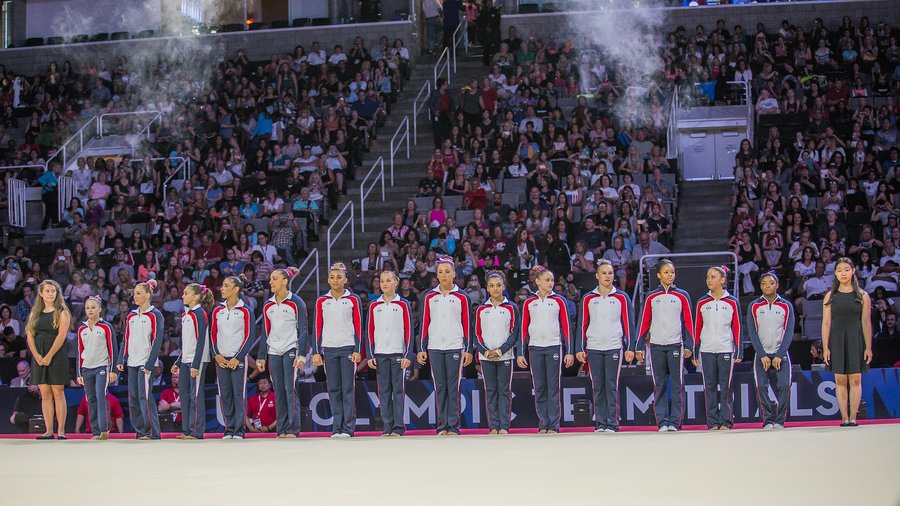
[(690, 391), (427, 406), (568, 414), (314, 409), (795, 409), (632, 401), (828, 397)]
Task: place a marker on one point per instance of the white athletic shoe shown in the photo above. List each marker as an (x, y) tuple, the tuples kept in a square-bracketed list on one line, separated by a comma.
[(340, 435), (779, 426), (237, 437), (442, 433), (227, 436), (672, 428), (600, 430), (664, 428), (768, 426), (609, 430), (335, 435)]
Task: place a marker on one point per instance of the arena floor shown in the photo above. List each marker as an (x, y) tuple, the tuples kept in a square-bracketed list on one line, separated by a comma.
[(808, 466)]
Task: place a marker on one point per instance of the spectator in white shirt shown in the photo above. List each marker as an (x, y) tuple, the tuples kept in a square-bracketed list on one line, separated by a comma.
[(337, 56)]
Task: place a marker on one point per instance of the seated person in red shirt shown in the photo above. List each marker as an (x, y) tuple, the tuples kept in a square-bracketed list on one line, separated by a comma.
[(170, 401), (260, 414), (116, 415)]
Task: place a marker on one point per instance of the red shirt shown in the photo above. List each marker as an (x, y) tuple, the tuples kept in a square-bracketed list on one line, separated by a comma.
[(114, 408), (171, 395), (262, 409)]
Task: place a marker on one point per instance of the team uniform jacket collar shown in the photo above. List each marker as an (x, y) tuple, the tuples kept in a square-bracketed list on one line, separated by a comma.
[(489, 302), (240, 303), (138, 311), (437, 289), (289, 297), (611, 292), (762, 298), (725, 295), (396, 298), (347, 293), (189, 309)]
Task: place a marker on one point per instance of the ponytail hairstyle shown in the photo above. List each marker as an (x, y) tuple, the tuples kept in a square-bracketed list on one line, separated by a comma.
[(663, 262), (288, 273), (540, 270), (148, 286), (721, 269), (771, 274), (207, 301), (495, 275), (238, 281), (338, 266), (857, 292)]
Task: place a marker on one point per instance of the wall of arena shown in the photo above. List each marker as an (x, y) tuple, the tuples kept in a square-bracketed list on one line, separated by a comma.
[(261, 44)]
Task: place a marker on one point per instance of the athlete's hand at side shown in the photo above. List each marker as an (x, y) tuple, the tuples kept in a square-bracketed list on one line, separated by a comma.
[(422, 357), (522, 362), (568, 360), (581, 356), (766, 363)]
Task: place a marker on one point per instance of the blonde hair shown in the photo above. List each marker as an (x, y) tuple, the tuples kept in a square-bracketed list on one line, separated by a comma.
[(148, 286), (207, 300), (59, 307), (338, 266)]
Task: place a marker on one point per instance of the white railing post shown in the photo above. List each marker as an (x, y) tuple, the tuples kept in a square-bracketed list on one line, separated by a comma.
[(65, 191), (426, 88), (16, 195), (351, 221), (364, 192)]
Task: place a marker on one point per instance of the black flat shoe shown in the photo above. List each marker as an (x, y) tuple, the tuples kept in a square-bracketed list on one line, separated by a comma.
[(45, 437), (852, 424), (62, 438), (845, 424)]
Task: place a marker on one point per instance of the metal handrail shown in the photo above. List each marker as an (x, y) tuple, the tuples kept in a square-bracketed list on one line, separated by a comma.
[(351, 221), (7, 168), (156, 114), (454, 42), (182, 167), (15, 192), (364, 192), (79, 135), (404, 126), (671, 131), (445, 57), (638, 285), (426, 88), (65, 191)]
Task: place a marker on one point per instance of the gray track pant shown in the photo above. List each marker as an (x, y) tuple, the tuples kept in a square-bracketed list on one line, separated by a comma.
[(716, 369), (497, 392), (95, 383), (667, 363), (142, 404), (284, 379), (233, 395), (340, 374), (391, 394), (446, 370), (604, 369), (193, 401), (780, 381), (546, 368)]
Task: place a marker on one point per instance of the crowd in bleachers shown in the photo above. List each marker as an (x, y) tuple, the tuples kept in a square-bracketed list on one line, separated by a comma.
[(551, 159), (266, 148), (821, 181)]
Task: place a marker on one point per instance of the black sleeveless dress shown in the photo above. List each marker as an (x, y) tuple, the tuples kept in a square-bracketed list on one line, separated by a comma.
[(846, 341), (57, 373)]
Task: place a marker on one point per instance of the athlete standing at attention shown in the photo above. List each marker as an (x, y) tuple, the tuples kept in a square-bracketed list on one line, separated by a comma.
[(337, 345), (718, 332), (96, 355), (545, 331), (197, 299), (283, 348), (606, 319), (770, 326), (140, 349), (667, 323), (231, 337), (496, 331), (391, 348), (446, 343)]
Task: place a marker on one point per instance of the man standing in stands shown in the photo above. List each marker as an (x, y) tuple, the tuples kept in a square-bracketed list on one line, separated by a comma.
[(441, 106), (431, 11), (488, 26), (451, 8)]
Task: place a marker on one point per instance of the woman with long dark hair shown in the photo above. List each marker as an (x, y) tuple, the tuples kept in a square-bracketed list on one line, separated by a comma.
[(847, 337), (46, 330)]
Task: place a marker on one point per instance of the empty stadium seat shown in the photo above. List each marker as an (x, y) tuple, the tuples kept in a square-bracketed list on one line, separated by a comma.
[(528, 8), (320, 22), (34, 41), (300, 22), (55, 41), (119, 36), (258, 26), (281, 23)]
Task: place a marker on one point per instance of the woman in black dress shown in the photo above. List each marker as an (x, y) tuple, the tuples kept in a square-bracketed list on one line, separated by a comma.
[(847, 337), (46, 330)]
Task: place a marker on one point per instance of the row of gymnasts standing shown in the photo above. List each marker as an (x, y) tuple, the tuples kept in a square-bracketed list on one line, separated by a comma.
[(607, 334)]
